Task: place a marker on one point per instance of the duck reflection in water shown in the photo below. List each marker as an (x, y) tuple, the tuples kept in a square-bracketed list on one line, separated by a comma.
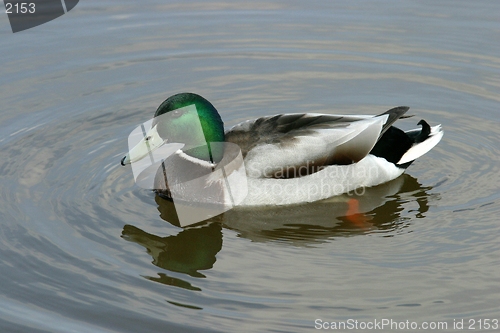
[(376, 209), (189, 251)]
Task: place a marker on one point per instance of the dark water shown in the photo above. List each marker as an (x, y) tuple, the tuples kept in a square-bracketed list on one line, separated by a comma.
[(83, 249)]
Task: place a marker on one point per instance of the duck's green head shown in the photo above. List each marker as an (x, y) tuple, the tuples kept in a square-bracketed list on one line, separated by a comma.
[(188, 119)]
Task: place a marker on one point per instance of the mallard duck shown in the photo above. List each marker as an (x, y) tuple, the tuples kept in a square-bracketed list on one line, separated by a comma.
[(286, 158)]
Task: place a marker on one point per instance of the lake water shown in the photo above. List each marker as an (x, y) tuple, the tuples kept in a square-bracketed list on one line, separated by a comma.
[(83, 249)]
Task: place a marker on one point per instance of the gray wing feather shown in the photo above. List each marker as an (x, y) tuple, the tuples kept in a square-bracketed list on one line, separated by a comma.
[(281, 144)]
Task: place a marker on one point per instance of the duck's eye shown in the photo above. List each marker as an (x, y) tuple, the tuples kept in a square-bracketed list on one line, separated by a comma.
[(147, 138)]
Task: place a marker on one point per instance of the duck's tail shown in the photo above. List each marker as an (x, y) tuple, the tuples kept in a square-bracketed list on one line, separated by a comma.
[(402, 148), (424, 140)]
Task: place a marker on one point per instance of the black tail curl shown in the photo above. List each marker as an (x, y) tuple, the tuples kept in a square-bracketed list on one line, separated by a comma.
[(394, 143)]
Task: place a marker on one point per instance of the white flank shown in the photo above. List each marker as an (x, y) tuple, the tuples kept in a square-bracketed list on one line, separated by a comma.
[(331, 181)]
